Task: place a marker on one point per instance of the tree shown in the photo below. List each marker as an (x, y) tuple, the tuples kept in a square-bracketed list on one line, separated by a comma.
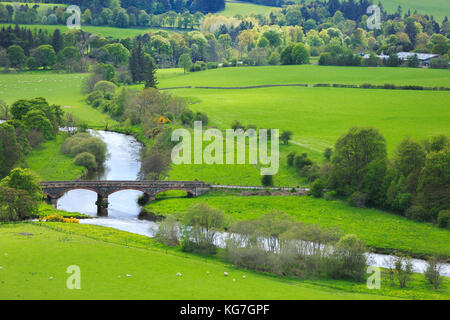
[(150, 73), (432, 191), (16, 56), (57, 41), (45, 56), (433, 271), (317, 188), (5, 113), (286, 136), (413, 61), (25, 180), (9, 148), (286, 54), (355, 153), (267, 180), (16, 204), (118, 54), (201, 224), (185, 61), (328, 152), (409, 157), (136, 62), (393, 60), (36, 119)]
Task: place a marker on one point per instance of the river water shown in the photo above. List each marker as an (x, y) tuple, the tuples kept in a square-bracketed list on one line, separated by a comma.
[(123, 163)]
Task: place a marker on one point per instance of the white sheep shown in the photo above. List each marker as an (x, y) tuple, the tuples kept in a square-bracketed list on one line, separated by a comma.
[(226, 274), (178, 274)]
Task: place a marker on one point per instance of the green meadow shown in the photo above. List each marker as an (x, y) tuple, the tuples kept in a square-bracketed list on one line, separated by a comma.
[(52, 165), (233, 8), (63, 89), (310, 74), (382, 230), (437, 8), (118, 33), (152, 269), (318, 116)]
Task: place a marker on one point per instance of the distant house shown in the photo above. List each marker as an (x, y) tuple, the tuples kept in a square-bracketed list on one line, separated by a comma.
[(424, 58)]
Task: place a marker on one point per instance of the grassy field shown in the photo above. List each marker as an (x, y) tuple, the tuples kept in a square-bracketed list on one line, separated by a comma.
[(50, 164), (233, 8), (437, 8), (63, 89), (152, 268), (118, 33), (250, 76), (318, 116), (379, 229), (31, 4)]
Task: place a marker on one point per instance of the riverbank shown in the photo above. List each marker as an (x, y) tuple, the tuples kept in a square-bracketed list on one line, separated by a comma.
[(385, 232), (152, 270)]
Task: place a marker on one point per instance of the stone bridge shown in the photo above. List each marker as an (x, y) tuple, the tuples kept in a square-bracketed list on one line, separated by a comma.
[(56, 189)]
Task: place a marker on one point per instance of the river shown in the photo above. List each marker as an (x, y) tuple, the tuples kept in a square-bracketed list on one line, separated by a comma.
[(123, 163)]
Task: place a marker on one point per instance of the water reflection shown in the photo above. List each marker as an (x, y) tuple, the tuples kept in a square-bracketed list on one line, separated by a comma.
[(122, 163)]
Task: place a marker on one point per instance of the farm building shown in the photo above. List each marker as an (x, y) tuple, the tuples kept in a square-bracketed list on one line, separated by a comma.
[(424, 58)]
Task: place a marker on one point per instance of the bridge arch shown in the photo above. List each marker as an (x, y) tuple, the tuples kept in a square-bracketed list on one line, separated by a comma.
[(189, 192), (63, 192), (129, 189)]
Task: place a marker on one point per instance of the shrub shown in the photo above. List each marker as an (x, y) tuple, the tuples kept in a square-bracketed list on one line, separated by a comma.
[(168, 231), (267, 180), (444, 219), (212, 65), (301, 161), (187, 116), (357, 199), (274, 58), (403, 270), (105, 87), (417, 213), (348, 259), (237, 125), (286, 136), (56, 218), (433, 272), (86, 159), (200, 116), (291, 158), (317, 188), (200, 226)]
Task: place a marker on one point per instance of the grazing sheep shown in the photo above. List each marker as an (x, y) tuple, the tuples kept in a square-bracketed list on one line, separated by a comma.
[(226, 274), (234, 280), (51, 278), (178, 274), (128, 275), (207, 272)]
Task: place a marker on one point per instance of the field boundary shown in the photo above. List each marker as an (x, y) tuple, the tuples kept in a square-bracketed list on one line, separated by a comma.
[(386, 86)]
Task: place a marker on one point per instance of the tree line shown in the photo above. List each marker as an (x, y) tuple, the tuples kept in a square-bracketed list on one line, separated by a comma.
[(414, 183)]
